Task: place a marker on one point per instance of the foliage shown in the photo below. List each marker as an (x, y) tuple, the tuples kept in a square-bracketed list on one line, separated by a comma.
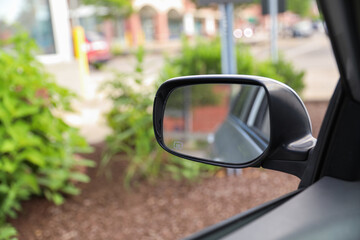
[(204, 57), (131, 122), (301, 7), (115, 8), (190, 63), (283, 71), (36, 148), (179, 169), (116, 50), (7, 231), (201, 95)]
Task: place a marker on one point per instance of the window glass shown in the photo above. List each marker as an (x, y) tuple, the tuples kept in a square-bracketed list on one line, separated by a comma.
[(175, 24), (262, 121), (90, 24), (243, 103), (120, 29), (31, 15), (147, 18), (198, 27)]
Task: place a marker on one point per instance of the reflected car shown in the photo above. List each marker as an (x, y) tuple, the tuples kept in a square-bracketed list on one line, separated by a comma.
[(97, 48), (245, 132)]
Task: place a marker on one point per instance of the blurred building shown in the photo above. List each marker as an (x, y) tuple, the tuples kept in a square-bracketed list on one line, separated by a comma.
[(153, 21), (49, 22)]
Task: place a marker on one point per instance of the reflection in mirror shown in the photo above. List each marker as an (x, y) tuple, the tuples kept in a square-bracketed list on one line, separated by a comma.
[(227, 123)]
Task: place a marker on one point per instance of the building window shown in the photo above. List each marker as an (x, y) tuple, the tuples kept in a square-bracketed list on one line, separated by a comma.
[(199, 27), (33, 16), (175, 24), (120, 30), (147, 18), (92, 24)]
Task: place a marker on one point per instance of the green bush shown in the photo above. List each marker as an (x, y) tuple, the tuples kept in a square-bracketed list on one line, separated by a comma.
[(36, 148), (133, 134), (201, 96), (204, 57), (131, 122)]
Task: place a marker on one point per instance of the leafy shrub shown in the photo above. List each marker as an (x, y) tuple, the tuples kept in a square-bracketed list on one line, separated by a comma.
[(205, 58), (116, 49), (200, 96), (131, 122), (36, 148), (289, 76), (133, 134)]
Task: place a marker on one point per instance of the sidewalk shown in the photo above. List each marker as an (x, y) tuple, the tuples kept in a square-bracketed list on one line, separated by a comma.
[(93, 105)]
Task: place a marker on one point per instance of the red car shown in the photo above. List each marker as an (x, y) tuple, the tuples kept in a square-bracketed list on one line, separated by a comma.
[(97, 48)]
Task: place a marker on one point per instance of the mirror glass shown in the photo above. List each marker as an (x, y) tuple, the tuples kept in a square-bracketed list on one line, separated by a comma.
[(226, 123)]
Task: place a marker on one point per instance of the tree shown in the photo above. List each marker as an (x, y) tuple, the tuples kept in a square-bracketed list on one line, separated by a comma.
[(301, 7), (115, 8)]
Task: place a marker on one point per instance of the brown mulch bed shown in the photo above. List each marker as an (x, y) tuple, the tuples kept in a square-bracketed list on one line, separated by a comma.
[(166, 210)]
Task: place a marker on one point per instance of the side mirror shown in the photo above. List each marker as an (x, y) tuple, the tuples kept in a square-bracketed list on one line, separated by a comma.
[(231, 120)]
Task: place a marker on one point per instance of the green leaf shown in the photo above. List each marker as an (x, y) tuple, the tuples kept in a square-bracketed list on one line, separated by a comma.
[(33, 156), (57, 198), (32, 182), (71, 190), (7, 146), (9, 104), (26, 110), (8, 165), (85, 162), (80, 177), (7, 231)]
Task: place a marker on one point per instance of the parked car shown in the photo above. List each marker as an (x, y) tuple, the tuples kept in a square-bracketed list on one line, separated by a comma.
[(97, 49), (302, 29), (326, 204)]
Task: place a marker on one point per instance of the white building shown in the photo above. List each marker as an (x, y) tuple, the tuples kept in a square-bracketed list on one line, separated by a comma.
[(47, 21)]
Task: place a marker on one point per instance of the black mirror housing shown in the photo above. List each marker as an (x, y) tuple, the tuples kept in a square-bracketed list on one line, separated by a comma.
[(290, 128)]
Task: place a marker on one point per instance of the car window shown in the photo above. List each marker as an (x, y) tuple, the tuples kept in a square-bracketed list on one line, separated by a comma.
[(251, 108), (241, 107), (261, 122), (151, 31)]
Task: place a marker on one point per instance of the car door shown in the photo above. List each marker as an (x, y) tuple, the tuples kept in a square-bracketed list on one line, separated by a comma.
[(327, 203)]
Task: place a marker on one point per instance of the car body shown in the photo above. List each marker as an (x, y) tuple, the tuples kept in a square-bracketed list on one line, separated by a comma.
[(97, 49), (326, 204), (247, 122)]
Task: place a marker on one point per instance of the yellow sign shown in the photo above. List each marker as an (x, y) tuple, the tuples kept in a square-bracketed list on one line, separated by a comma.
[(81, 55)]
